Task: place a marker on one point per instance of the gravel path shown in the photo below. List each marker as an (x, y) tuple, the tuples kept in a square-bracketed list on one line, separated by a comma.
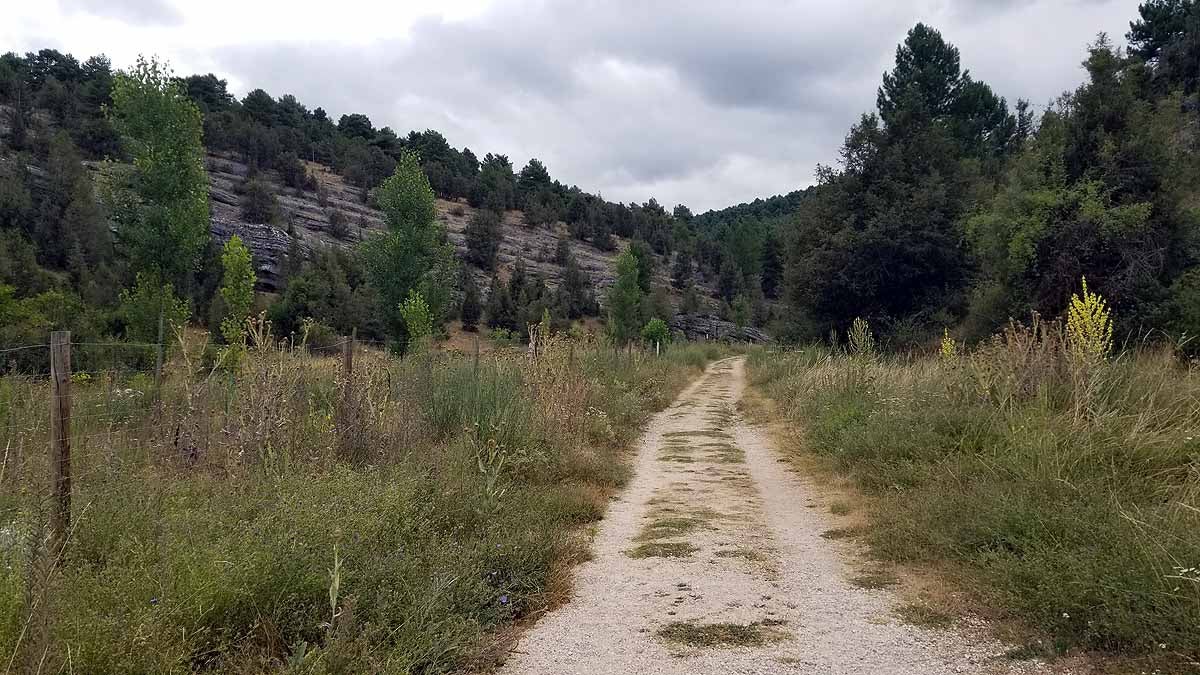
[(712, 561)]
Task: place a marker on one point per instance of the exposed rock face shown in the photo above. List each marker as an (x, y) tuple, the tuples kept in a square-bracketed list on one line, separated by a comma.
[(698, 327), (309, 214)]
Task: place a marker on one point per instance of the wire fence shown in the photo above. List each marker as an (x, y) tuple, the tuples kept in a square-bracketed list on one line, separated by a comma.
[(121, 411)]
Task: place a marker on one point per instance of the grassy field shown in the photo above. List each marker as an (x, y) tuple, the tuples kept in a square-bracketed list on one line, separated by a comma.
[(290, 519), (1066, 497)]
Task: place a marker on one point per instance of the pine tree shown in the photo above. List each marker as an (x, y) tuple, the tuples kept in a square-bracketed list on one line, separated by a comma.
[(562, 251), (484, 234), (681, 271), (645, 262), (470, 310), (771, 266), (500, 311), (577, 287), (729, 283)]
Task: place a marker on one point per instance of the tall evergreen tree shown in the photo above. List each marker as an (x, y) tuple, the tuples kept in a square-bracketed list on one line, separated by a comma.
[(771, 266), (470, 311), (500, 311), (681, 271)]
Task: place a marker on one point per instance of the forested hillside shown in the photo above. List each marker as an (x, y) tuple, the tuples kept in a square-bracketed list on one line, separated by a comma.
[(951, 209), (304, 194)]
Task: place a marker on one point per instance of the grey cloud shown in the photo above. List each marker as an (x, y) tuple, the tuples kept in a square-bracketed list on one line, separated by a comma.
[(136, 12), (709, 103)]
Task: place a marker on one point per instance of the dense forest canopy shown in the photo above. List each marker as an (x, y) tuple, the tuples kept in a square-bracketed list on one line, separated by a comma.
[(948, 207)]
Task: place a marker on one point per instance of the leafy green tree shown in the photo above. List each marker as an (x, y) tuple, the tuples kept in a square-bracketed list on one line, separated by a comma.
[(882, 238), (237, 289), (356, 125), (330, 288), (418, 321), (161, 210), (293, 173), (413, 254), (625, 301), (142, 306), (562, 251), (1096, 193), (210, 93), (656, 332), (1185, 317)]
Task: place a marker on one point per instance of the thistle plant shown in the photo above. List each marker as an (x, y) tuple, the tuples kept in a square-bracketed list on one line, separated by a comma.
[(862, 340), (949, 350), (1089, 326)]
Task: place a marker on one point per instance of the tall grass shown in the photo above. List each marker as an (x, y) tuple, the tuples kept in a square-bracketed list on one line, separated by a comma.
[(290, 519), (1069, 498)]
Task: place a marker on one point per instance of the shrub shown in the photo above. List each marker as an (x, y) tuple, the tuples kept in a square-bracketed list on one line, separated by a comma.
[(338, 228), (258, 202)]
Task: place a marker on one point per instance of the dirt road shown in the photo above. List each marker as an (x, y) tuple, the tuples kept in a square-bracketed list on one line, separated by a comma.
[(713, 561)]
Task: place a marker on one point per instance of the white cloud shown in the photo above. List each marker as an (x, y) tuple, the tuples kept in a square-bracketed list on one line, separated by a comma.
[(707, 103)]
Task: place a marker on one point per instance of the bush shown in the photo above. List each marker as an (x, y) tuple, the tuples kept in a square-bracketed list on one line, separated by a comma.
[(483, 236), (258, 202), (338, 228)]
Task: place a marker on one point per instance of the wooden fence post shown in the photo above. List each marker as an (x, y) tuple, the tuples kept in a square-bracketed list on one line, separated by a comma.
[(348, 356), (60, 437), (158, 356)]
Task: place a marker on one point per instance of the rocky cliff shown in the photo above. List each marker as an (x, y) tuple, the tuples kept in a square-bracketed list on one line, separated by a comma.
[(309, 217)]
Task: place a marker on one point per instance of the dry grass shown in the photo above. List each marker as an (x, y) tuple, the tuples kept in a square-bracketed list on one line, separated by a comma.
[(1065, 497), (207, 524)]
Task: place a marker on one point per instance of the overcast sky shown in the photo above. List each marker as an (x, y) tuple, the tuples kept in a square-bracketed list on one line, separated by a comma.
[(705, 103)]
